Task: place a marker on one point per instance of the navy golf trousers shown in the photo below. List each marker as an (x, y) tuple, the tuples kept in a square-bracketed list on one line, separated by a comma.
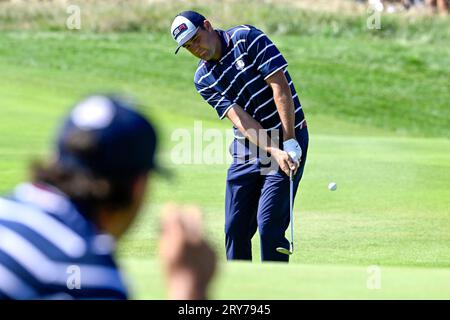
[(255, 200)]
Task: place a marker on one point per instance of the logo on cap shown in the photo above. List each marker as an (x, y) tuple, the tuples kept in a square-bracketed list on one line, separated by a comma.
[(240, 64), (179, 30), (96, 112)]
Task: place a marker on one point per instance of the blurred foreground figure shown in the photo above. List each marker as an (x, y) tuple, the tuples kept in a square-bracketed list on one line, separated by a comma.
[(58, 232), (187, 257)]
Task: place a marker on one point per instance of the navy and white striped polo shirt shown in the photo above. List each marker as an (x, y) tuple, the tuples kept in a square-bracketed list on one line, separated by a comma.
[(248, 58), (48, 250)]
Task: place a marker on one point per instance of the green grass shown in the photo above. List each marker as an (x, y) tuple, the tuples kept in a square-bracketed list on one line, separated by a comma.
[(379, 122), (292, 282)]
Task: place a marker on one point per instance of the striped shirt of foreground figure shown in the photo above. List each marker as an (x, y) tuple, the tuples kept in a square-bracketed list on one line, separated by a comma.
[(48, 250), (58, 232)]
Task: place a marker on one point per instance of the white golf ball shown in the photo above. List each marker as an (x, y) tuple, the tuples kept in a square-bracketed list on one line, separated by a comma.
[(332, 186)]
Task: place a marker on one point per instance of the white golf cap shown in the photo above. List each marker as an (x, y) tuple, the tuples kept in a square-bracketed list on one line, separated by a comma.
[(185, 26)]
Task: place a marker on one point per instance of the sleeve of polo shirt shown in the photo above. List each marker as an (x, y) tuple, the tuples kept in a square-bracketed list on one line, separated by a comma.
[(265, 55), (220, 103)]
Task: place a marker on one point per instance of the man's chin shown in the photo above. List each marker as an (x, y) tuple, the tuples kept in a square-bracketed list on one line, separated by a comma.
[(206, 56)]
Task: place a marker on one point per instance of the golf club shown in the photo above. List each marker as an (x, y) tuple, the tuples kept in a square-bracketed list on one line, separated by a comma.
[(291, 216)]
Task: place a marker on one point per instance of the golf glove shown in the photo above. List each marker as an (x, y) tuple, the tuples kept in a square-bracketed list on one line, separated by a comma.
[(292, 147)]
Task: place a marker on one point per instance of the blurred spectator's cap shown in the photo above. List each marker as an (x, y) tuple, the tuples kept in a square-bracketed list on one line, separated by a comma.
[(185, 26), (108, 137)]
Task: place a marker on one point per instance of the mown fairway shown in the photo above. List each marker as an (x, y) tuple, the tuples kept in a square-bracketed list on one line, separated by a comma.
[(379, 120)]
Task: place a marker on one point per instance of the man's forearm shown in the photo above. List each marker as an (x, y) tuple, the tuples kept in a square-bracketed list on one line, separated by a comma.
[(284, 103), (250, 128), (285, 107)]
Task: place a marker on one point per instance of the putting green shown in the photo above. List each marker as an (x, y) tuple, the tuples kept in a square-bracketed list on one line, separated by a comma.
[(299, 281)]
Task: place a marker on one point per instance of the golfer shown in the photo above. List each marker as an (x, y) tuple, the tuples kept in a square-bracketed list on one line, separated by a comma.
[(58, 232), (244, 77)]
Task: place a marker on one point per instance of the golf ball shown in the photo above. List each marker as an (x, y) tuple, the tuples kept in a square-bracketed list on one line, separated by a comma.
[(332, 186)]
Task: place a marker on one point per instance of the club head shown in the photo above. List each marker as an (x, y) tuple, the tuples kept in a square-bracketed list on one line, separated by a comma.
[(284, 251)]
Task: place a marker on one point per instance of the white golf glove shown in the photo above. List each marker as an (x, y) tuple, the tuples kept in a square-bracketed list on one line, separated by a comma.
[(292, 147)]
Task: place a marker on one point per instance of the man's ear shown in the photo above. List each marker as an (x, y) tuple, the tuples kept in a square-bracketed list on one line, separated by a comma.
[(207, 25)]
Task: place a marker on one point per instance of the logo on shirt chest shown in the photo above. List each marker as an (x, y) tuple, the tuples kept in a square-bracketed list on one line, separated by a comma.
[(240, 64)]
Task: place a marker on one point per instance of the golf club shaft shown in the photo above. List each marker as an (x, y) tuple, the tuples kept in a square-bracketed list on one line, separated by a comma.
[(291, 203)]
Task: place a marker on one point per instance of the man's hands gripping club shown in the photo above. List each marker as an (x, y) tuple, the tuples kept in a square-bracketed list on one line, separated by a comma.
[(284, 160), (292, 147)]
